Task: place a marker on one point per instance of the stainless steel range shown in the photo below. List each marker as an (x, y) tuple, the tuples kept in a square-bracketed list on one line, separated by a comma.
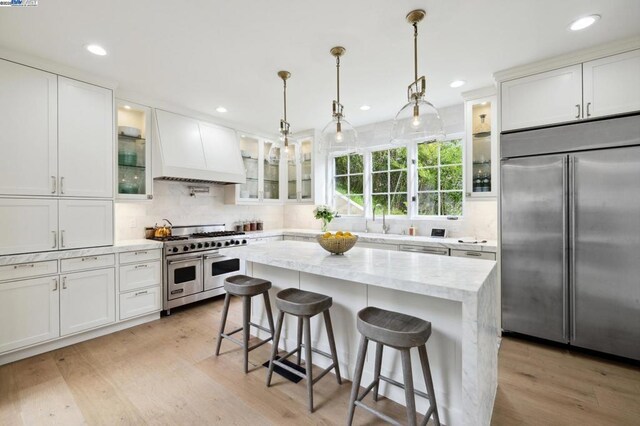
[(195, 266)]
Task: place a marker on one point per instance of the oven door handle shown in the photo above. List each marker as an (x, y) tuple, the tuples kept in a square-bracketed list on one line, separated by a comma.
[(218, 256), (193, 259)]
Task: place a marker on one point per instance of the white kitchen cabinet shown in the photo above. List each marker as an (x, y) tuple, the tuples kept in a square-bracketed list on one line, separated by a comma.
[(380, 246), (85, 139), (135, 180), (87, 300), (82, 263), (85, 223), (28, 225), (28, 136), (612, 85), (29, 312), (140, 302), (300, 172), (481, 146), (545, 98), (28, 270), (472, 254), (140, 275)]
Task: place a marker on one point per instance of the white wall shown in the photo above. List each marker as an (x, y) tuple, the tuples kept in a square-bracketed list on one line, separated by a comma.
[(480, 216), (171, 200)]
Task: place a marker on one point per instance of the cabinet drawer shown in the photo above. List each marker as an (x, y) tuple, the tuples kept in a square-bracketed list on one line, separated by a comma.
[(473, 254), (140, 275), (140, 256), (87, 262), (422, 249), (25, 270), (140, 302)]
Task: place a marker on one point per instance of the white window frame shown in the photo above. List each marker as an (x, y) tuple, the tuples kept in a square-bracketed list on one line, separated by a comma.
[(412, 180)]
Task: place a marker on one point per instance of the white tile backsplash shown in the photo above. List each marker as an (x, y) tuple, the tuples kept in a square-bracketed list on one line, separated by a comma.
[(171, 200)]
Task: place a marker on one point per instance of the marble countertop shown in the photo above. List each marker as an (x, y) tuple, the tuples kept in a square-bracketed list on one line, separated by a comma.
[(451, 278), (118, 247), (452, 243)]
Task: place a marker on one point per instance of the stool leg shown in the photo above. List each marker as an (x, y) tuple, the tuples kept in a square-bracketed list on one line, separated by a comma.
[(408, 387), (246, 316), (426, 370), (299, 340), (357, 378), (376, 372), (308, 365), (274, 349), (332, 344), (267, 307), (223, 322)]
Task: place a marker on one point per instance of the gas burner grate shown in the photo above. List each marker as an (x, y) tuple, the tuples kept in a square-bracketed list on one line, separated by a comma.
[(215, 234), (171, 238)]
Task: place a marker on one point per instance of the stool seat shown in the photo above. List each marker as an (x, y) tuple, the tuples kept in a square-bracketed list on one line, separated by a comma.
[(393, 328), (302, 303), (243, 285)]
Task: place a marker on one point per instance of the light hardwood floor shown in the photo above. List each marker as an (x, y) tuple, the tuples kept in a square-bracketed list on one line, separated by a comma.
[(164, 372)]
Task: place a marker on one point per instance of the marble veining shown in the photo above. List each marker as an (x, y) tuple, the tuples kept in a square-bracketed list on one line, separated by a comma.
[(118, 247), (431, 275)]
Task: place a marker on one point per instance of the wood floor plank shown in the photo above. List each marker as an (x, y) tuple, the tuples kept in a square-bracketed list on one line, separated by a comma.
[(165, 373)]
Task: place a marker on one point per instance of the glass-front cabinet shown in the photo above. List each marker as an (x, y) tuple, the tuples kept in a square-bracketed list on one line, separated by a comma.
[(300, 172), (481, 151), (263, 173), (134, 151)]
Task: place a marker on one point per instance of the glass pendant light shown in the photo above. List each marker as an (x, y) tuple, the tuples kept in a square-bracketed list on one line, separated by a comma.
[(280, 149), (418, 120), (339, 135)]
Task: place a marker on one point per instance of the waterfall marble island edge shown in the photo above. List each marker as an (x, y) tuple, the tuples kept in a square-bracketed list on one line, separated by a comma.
[(458, 296)]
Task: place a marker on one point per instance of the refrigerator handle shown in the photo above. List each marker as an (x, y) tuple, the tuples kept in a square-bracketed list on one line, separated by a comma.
[(565, 275), (572, 227)]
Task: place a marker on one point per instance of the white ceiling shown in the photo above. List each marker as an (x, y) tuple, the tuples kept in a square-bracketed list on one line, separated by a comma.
[(204, 53)]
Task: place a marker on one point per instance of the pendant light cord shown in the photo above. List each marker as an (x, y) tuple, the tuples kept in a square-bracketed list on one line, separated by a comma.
[(338, 77), (285, 99), (415, 51)]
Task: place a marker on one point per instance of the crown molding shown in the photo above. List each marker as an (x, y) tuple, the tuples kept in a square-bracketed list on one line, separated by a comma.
[(572, 58), (483, 92)]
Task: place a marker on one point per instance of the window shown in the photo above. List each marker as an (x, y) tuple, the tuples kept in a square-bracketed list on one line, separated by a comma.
[(389, 180), (348, 185), (439, 170)]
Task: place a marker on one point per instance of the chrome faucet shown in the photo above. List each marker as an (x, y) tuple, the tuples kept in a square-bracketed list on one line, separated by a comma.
[(385, 227)]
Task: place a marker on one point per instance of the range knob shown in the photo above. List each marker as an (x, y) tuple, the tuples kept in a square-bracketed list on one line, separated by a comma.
[(244, 241), (185, 248), (219, 244), (193, 246), (226, 243), (206, 244), (175, 249), (237, 242), (199, 245)]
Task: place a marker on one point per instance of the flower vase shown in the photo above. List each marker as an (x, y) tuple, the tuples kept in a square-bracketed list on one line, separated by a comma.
[(325, 223)]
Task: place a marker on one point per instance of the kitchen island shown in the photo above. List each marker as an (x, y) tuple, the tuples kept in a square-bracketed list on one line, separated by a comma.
[(457, 295)]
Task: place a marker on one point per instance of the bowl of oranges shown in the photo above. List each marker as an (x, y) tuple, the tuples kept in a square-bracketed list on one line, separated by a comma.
[(338, 243)]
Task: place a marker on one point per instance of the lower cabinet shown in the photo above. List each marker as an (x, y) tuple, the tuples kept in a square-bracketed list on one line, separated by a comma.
[(140, 302), (29, 312), (87, 300), (473, 254)]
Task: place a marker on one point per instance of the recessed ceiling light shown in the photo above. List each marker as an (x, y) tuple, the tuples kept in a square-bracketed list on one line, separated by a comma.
[(127, 107), (484, 103), (221, 109), (365, 107), (584, 22), (457, 83), (96, 49)]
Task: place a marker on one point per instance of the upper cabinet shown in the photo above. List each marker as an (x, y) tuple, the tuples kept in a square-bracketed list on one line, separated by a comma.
[(134, 151), (545, 98), (57, 135), (300, 172), (612, 84), (602, 87), (481, 138), (29, 135)]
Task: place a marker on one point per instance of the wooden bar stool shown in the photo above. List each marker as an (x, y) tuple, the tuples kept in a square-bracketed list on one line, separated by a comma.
[(304, 305), (245, 287), (401, 332)]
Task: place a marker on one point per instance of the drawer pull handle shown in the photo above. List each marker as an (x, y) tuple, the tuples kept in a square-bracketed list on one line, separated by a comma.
[(140, 252), (141, 292), (144, 265), (90, 258), (25, 265), (473, 253)]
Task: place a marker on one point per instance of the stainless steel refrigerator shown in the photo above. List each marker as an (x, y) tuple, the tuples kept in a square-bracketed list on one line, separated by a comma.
[(570, 234)]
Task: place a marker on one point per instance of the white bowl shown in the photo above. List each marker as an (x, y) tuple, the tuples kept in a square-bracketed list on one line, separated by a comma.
[(129, 131)]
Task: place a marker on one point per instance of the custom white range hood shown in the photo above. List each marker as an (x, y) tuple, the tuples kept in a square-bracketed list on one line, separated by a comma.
[(192, 150)]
